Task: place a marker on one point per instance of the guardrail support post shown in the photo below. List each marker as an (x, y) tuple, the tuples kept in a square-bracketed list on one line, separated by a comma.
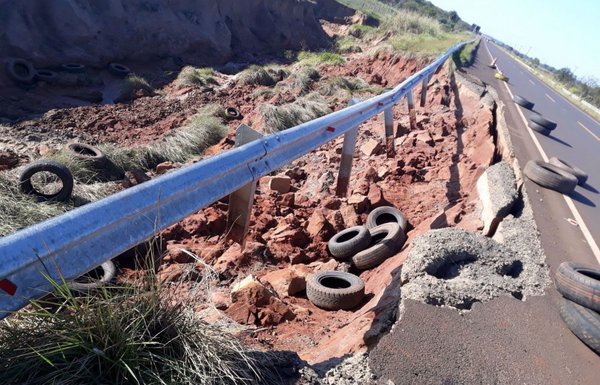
[(241, 201), (411, 110), (424, 91), (348, 149), (388, 117)]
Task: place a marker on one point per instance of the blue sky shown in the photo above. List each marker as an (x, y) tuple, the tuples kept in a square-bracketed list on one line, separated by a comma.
[(560, 33)]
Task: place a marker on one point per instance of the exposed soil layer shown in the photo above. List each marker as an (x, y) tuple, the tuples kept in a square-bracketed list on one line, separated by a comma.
[(430, 177)]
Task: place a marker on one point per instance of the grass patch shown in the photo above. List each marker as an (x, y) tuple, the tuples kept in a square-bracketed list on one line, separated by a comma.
[(304, 79), (407, 22), (139, 335), (347, 85), (83, 170), (347, 44), (192, 76), (425, 44), (256, 75), (318, 58), (466, 55), (134, 86), (278, 118)]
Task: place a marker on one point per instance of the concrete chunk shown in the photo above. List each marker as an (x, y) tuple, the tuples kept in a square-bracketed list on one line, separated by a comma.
[(497, 189)]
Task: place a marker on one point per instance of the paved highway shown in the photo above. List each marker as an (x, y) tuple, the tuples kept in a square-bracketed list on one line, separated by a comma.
[(575, 140)]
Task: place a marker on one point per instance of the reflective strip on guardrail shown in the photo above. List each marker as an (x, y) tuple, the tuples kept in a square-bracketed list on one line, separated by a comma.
[(73, 243)]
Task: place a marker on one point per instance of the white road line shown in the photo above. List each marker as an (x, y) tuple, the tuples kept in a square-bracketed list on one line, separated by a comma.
[(584, 229), (531, 81), (590, 131), (549, 97)]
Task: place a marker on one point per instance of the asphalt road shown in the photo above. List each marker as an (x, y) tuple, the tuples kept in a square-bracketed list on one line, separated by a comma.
[(507, 341)]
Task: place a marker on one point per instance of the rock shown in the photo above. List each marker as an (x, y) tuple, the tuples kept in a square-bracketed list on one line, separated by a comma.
[(134, 177), (163, 167), (318, 227), (8, 160), (177, 272), (176, 253), (376, 197), (250, 290), (424, 136), (497, 189), (287, 281), (332, 203), (43, 150), (360, 202), (220, 300), (281, 183), (216, 221), (231, 259), (350, 216), (371, 147)]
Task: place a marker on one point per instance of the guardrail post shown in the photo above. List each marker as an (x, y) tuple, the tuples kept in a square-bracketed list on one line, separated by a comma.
[(241, 201), (388, 117), (424, 91), (348, 149), (411, 110)]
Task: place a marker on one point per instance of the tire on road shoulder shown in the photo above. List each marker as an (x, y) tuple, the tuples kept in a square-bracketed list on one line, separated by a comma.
[(21, 71), (87, 152), (583, 322), (538, 128), (335, 290), (539, 119), (386, 214), (108, 274), (550, 176), (579, 283), (348, 242), (58, 169), (118, 69), (523, 102), (581, 175), (386, 240), (74, 68)]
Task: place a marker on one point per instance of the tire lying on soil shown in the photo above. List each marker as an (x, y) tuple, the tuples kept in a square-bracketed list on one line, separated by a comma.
[(583, 322), (538, 128), (232, 113), (46, 75), (523, 102), (386, 214), (386, 240), (348, 242), (580, 284), (581, 175), (85, 284), (60, 170), (335, 290), (73, 68), (550, 176), (21, 71), (87, 152), (539, 119), (118, 69)]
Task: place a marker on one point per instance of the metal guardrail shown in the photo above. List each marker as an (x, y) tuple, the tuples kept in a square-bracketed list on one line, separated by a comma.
[(76, 242)]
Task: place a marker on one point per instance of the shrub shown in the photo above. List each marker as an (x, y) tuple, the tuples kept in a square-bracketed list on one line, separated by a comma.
[(192, 76), (278, 118), (134, 86), (255, 75), (318, 58)]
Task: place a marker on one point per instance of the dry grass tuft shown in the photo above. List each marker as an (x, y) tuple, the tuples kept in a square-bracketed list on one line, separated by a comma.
[(278, 118), (192, 76), (255, 75)]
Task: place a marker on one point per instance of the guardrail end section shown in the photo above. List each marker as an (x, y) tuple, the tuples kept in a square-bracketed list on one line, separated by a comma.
[(241, 201)]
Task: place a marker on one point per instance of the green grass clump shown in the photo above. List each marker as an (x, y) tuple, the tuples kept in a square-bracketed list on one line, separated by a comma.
[(192, 76), (256, 75), (318, 58), (348, 85), (304, 78), (465, 56), (278, 118), (119, 336), (134, 86), (425, 44), (347, 44), (407, 22)]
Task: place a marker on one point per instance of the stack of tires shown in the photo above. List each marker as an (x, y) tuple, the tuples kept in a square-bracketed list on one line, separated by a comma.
[(556, 174), (536, 121), (580, 308), (366, 247)]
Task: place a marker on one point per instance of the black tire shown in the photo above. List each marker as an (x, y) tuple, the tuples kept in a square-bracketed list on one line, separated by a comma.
[(386, 240), (523, 102), (348, 242), (55, 168), (74, 68), (87, 152), (386, 214), (584, 323), (538, 128), (21, 71), (46, 75), (539, 119), (579, 283), (232, 113), (118, 70), (550, 176), (335, 290), (581, 175), (109, 271)]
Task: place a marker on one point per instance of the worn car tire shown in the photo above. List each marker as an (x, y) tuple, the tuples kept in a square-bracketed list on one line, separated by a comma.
[(74, 68), (581, 175), (46, 76), (386, 214), (539, 119), (232, 113), (523, 102), (334, 290), (109, 272), (538, 128), (579, 283), (118, 69), (348, 242), (55, 168), (87, 152), (583, 322), (550, 176), (21, 71), (386, 240)]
